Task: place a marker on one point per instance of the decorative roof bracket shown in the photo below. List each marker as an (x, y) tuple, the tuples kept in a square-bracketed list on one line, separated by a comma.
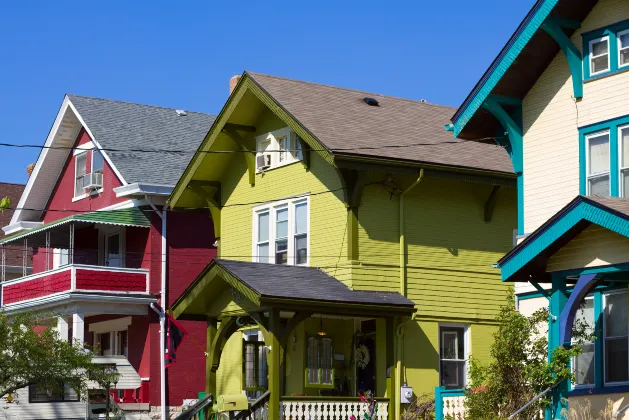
[(553, 27)]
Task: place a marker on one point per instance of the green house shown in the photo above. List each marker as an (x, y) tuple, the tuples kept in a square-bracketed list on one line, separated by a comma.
[(356, 239)]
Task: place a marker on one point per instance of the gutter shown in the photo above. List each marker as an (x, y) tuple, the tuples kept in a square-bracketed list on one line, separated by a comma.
[(162, 311), (141, 188), (403, 281), (20, 226)]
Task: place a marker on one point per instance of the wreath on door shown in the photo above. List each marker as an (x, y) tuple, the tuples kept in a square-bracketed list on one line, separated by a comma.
[(362, 356)]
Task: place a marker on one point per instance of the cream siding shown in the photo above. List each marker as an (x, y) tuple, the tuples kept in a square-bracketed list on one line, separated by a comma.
[(595, 246), (21, 409), (551, 121)]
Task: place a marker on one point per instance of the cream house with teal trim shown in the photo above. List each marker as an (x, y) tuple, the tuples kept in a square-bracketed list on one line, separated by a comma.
[(356, 237), (556, 98)]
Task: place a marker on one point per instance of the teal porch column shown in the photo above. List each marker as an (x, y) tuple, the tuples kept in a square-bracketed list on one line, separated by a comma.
[(558, 300)]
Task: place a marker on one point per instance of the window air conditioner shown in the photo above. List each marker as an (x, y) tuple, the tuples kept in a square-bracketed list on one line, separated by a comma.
[(263, 161), (93, 181)]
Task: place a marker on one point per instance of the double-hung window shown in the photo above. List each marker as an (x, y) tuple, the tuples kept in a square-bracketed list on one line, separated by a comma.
[(623, 48), (583, 364), (255, 367), (320, 362), (598, 163), (98, 162), (599, 55), (281, 232), (623, 141), (453, 356), (80, 170), (615, 335)]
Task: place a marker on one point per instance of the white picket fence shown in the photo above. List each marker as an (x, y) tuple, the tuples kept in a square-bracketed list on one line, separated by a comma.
[(454, 407), (314, 409)]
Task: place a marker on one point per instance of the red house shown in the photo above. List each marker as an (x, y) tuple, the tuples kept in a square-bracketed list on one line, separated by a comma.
[(107, 252)]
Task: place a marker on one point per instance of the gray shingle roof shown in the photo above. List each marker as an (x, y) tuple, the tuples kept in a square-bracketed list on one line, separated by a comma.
[(618, 204), (340, 119), (124, 125), (295, 282)]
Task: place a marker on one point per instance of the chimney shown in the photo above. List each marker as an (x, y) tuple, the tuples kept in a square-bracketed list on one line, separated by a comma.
[(29, 169), (233, 82)]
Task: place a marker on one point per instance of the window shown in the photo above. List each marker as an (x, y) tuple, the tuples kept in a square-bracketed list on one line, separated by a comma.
[(583, 365), (277, 148), (255, 368), (60, 257), (98, 162), (37, 394), (599, 55), (453, 355), (320, 362), (80, 169), (283, 227), (623, 48), (623, 139), (616, 343), (598, 162)]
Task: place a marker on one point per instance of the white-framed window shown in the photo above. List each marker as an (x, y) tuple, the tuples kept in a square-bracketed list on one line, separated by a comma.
[(583, 364), (599, 55), (60, 257), (623, 48), (597, 155), (281, 232), (453, 355), (623, 140), (112, 246), (616, 337), (98, 161), (80, 170), (277, 148)]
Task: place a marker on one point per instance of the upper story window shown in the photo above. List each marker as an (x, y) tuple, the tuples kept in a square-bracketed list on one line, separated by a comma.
[(281, 231), (598, 164), (80, 170), (277, 148), (604, 150), (606, 50), (599, 55)]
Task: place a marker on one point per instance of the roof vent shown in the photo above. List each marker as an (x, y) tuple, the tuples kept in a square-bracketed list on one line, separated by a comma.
[(371, 101), (423, 101), (181, 112)]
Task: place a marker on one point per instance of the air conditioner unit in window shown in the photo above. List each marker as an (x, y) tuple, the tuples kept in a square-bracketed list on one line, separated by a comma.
[(93, 181), (263, 161)]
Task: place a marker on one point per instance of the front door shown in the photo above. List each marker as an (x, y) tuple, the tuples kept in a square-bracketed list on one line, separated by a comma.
[(113, 256), (366, 364)]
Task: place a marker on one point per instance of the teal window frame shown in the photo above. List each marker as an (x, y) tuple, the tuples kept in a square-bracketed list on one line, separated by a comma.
[(613, 126), (612, 32)]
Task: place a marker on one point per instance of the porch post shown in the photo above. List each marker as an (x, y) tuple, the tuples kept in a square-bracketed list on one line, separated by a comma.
[(78, 328), (272, 341), (25, 257), (558, 301), (390, 368), (47, 250), (71, 250), (210, 378), (4, 264), (62, 328)]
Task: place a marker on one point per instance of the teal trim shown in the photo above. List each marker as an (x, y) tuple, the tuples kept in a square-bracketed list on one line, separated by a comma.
[(440, 393), (507, 100), (449, 127), (520, 182), (540, 289), (505, 59), (613, 268), (558, 301), (612, 32), (552, 26), (598, 342), (612, 125), (580, 209)]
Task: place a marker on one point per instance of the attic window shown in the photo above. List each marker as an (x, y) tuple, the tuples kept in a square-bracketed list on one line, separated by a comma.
[(277, 148), (371, 101)]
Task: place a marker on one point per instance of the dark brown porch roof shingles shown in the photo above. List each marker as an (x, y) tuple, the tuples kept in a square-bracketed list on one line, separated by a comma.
[(340, 119)]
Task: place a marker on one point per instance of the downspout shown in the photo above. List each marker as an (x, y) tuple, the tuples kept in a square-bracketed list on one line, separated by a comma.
[(162, 312), (400, 329)]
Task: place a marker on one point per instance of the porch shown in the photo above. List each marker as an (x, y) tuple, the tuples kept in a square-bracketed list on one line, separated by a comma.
[(298, 337)]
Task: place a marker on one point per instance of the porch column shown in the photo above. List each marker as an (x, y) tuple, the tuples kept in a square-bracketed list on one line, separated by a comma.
[(210, 378), (558, 301), (78, 328), (3, 275), (62, 328), (390, 367), (71, 250), (272, 341)]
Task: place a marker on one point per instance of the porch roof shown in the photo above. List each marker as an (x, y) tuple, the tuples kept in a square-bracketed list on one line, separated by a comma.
[(135, 217), (289, 288), (528, 259)]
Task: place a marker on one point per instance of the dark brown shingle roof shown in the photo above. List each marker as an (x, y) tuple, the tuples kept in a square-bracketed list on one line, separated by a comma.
[(340, 119), (14, 192)]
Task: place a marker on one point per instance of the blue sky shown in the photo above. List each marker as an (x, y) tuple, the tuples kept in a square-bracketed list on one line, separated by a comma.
[(181, 54)]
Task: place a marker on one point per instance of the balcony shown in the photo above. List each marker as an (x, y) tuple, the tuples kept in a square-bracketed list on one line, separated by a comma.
[(74, 279)]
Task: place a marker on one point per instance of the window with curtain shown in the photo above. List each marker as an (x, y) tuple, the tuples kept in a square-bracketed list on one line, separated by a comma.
[(583, 364), (598, 163), (615, 333), (320, 362)]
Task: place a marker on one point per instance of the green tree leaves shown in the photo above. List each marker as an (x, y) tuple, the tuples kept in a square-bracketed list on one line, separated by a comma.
[(5, 203)]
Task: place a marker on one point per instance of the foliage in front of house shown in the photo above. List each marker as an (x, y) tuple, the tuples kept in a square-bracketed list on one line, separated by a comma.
[(32, 353), (520, 368)]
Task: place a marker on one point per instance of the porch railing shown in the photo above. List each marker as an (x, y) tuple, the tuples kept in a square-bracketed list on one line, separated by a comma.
[(330, 408), (449, 403), (258, 410), (74, 278)]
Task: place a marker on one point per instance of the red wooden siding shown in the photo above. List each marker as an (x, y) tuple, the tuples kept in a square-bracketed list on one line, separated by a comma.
[(110, 281), (38, 287)]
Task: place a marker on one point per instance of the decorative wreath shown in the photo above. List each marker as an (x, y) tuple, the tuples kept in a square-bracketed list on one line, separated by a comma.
[(362, 356)]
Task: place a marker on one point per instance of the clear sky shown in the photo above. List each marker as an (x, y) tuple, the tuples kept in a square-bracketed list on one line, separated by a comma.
[(181, 54)]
